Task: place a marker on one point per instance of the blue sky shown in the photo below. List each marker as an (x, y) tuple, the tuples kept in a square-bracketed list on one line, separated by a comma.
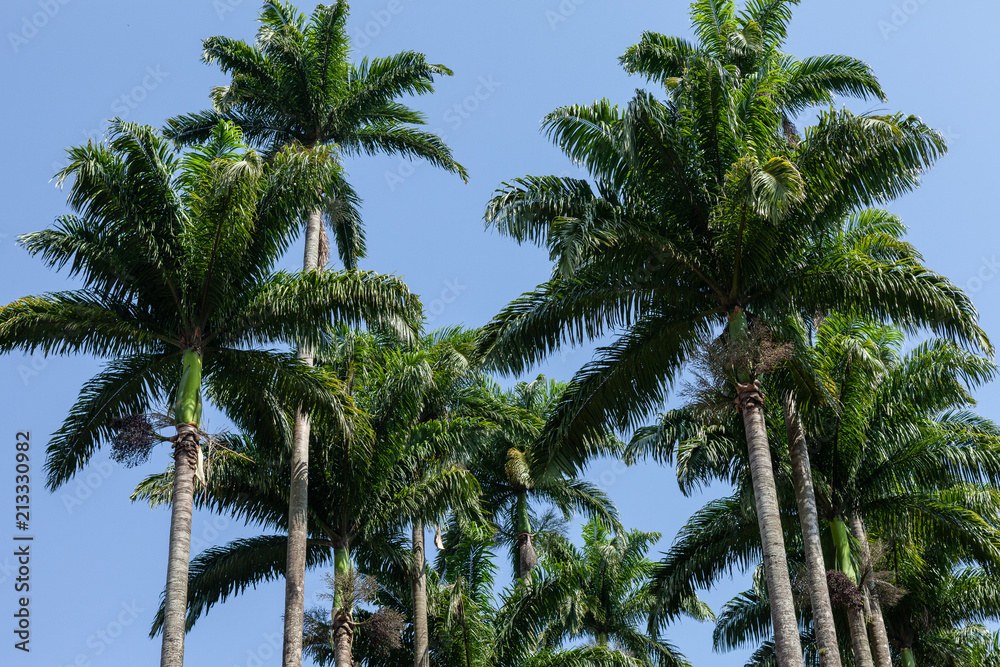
[(98, 562)]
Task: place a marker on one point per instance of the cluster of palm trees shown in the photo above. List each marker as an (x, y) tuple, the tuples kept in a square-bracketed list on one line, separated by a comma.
[(713, 236)]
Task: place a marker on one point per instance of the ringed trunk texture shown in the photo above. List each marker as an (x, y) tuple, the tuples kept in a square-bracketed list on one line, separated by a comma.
[(879, 637), (787, 644), (175, 599), (805, 498), (421, 658), (343, 637), (298, 496), (860, 646)]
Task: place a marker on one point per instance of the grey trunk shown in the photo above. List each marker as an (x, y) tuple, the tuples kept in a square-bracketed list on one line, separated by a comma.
[(298, 500), (787, 645), (879, 637), (420, 637), (805, 498), (859, 637), (175, 598), (342, 639)]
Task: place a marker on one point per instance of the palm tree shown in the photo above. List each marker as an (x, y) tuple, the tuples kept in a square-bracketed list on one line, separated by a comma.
[(296, 86), (945, 601), (363, 491), (710, 212), (941, 600), (507, 634), (470, 626), (433, 392), (893, 422), (177, 257), (603, 593), (894, 451), (514, 471)]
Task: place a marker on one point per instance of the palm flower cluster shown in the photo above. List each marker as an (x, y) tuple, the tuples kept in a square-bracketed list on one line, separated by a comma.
[(844, 593), (134, 436)]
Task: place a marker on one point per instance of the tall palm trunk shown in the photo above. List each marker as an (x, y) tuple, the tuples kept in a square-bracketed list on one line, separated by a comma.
[(879, 637), (298, 496), (527, 558), (750, 402), (860, 646), (805, 498), (187, 415), (906, 658), (421, 658), (787, 644), (341, 613)]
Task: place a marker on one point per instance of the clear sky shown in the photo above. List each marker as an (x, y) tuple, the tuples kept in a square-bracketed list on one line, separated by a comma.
[(97, 561)]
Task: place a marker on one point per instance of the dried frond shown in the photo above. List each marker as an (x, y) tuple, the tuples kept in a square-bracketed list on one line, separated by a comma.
[(385, 629), (759, 352), (351, 588), (886, 590), (713, 388), (316, 628)]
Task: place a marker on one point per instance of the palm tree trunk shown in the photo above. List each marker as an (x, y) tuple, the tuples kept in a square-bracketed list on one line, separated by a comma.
[(175, 600), (805, 498), (787, 644), (527, 558), (860, 646), (187, 415), (906, 658), (879, 636), (421, 658), (859, 637), (298, 495), (341, 614)]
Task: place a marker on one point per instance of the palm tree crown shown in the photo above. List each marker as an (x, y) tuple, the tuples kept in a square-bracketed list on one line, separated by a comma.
[(296, 86)]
